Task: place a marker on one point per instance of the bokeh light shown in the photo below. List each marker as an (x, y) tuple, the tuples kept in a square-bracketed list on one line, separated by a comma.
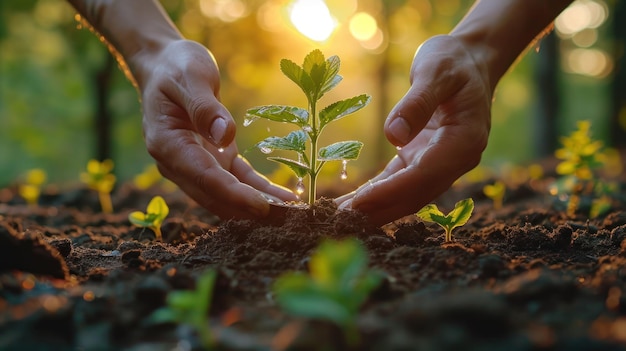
[(363, 26), (312, 18), (582, 14)]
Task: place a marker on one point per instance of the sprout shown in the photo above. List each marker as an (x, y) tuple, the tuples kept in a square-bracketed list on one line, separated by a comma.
[(99, 178), (155, 214), (457, 217), (31, 188), (496, 193), (315, 77)]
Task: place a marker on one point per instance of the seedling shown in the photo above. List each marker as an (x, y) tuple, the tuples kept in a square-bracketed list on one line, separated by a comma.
[(315, 77), (99, 178), (339, 282), (495, 192), (457, 217), (31, 188), (580, 156), (148, 178), (155, 214), (191, 308)]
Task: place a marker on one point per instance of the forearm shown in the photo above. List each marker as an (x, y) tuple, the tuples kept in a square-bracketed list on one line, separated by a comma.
[(130, 27), (497, 31)]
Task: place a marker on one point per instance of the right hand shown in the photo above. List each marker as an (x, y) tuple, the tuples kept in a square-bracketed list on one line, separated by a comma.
[(191, 134)]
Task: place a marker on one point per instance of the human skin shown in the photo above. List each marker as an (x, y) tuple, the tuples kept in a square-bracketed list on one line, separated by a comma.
[(441, 126), (187, 130)]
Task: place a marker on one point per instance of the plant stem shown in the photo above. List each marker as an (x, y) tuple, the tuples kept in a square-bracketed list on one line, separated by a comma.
[(157, 233), (105, 202), (313, 165)]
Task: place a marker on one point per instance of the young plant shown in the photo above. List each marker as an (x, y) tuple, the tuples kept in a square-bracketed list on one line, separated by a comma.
[(191, 308), (495, 192), (457, 217), (99, 178), (580, 156), (315, 77), (339, 282), (155, 214), (31, 188)]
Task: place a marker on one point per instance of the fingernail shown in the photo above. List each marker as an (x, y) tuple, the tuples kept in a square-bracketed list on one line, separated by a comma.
[(218, 130), (400, 129)]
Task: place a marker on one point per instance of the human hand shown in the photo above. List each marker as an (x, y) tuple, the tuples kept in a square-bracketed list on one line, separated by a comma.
[(441, 126), (191, 134)]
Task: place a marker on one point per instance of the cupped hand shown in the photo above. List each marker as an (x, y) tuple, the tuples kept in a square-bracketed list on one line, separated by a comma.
[(440, 126), (191, 134)]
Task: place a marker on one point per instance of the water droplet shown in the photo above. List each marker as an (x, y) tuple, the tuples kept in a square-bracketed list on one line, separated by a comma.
[(307, 128), (221, 149), (300, 187), (344, 172), (398, 148), (265, 149), (248, 121)]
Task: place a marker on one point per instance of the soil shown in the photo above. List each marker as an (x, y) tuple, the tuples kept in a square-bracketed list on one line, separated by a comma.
[(523, 277)]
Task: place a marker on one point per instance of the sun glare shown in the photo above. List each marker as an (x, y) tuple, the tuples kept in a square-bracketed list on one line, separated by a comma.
[(312, 18)]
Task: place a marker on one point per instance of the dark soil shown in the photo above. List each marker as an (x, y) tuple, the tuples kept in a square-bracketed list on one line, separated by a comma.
[(524, 277)]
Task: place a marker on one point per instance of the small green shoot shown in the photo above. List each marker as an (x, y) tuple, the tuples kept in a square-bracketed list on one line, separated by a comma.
[(338, 284), (580, 157), (191, 308), (495, 192), (99, 178), (457, 217), (31, 188), (315, 77), (155, 214)]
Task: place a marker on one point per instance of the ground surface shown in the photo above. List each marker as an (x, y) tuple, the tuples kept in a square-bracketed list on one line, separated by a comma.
[(524, 277)]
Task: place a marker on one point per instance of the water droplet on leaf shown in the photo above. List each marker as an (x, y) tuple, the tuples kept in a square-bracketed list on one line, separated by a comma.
[(265, 149), (248, 121), (344, 172), (307, 128)]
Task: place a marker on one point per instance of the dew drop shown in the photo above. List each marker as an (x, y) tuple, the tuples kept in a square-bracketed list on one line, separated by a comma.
[(344, 171), (265, 149), (300, 187), (248, 121), (307, 128), (398, 148), (221, 149)]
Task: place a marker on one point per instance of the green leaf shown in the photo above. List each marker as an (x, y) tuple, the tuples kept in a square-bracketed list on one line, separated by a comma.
[(312, 304), (343, 150), (299, 168), (139, 219), (298, 76), (294, 141), (427, 212), (332, 77), (279, 113), (342, 108), (461, 213)]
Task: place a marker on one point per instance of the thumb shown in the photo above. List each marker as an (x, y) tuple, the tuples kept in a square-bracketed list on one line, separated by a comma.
[(410, 115), (211, 119)]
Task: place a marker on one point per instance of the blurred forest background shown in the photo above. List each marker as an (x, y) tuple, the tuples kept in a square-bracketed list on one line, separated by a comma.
[(63, 100)]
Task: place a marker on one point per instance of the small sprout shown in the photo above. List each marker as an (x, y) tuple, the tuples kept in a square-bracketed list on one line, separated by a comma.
[(191, 308), (99, 178), (148, 178), (155, 214), (495, 192), (580, 156), (338, 284), (315, 77), (457, 217), (31, 188)]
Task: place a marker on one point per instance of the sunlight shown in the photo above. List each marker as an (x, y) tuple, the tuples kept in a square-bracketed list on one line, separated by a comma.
[(312, 18), (581, 15)]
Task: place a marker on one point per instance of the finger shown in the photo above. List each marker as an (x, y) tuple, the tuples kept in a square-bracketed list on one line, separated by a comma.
[(435, 83), (207, 115), (181, 159), (396, 164), (450, 154), (245, 173)]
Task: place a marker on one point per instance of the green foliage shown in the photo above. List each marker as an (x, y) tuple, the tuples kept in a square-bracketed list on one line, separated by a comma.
[(315, 77), (155, 214), (191, 308), (338, 284), (457, 217)]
